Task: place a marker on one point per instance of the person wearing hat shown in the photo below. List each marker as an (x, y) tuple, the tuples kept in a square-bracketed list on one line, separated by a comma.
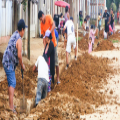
[(43, 77), (47, 23), (49, 51), (106, 17), (12, 56), (71, 40)]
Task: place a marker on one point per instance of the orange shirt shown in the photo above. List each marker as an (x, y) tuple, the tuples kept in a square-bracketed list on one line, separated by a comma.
[(46, 26)]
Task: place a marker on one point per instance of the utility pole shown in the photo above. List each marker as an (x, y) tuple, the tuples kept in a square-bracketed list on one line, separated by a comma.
[(13, 16), (83, 9), (28, 42), (97, 12)]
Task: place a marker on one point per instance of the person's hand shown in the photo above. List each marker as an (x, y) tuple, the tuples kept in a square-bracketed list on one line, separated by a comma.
[(23, 67)]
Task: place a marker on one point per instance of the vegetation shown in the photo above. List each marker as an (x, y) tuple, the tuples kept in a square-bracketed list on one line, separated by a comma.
[(24, 3)]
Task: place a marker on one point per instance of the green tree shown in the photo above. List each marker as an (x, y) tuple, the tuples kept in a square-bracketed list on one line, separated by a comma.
[(24, 3), (113, 6)]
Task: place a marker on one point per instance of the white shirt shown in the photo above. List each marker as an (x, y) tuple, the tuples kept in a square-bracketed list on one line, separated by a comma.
[(70, 28), (43, 70)]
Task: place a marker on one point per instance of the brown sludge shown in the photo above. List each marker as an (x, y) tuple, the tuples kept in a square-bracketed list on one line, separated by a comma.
[(105, 45), (29, 83), (77, 90), (83, 43)]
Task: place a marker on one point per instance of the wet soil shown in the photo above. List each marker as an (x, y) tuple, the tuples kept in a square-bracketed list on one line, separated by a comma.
[(78, 90), (105, 45)]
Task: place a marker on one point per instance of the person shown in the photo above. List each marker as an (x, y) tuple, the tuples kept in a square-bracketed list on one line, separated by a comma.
[(43, 78), (110, 30), (48, 23), (61, 23), (92, 34), (99, 21), (106, 16), (118, 17), (56, 35), (67, 17), (81, 18), (88, 21), (12, 56), (112, 18), (84, 25), (90, 45), (70, 39), (49, 51)]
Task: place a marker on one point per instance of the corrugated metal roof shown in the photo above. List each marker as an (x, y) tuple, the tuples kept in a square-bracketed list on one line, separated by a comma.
[(33, 1)]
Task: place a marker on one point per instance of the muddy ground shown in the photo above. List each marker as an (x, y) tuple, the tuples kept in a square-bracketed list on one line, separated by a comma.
[(78, 94)]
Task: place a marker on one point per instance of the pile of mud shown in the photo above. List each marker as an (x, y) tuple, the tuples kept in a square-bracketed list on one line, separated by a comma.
[(115, 36), (1, 57), (105, 45), (30, 82), (83, 43), (78, 90)]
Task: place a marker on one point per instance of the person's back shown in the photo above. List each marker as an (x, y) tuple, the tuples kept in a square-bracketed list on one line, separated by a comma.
[(70, 28), (42, 68)]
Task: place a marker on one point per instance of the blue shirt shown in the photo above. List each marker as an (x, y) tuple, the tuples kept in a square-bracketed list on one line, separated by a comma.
[(56, 33), (100, 20), (10, 57)]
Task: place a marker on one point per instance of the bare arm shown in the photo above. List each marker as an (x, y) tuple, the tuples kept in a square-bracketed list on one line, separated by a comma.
[(53, 27), (19, 49), (35, 69)]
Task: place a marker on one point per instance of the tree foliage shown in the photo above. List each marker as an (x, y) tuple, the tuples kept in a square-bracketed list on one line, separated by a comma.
[(24, 3), (113, 6), (109, 2)]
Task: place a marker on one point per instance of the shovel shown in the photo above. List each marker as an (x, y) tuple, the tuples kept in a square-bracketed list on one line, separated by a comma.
[(23, 102)]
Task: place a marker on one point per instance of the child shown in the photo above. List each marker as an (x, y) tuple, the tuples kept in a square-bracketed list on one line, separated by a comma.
[(99, 21), (49, 51), (84, 25), (110, 30), (81, 18), (90, 45), (92, 34), (43, 78)]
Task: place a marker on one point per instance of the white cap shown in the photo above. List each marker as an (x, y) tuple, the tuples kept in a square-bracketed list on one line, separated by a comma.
[(105, 8)]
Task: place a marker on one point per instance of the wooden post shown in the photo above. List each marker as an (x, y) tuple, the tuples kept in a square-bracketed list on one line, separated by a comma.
[(77, 39), (83, 9), (13, 16), (28, 42), (97, 12)]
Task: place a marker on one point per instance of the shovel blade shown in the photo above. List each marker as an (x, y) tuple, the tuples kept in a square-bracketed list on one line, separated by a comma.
[(23, 105)]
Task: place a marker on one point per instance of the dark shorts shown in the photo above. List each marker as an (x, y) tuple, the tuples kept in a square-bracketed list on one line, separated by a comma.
[(10, 77), (66, 30), (106, 28)]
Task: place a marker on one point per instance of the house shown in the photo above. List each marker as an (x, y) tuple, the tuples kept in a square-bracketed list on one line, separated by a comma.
[(93, 7)]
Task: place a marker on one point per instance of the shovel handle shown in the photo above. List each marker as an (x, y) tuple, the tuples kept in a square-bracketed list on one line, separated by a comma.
[(22, 72)]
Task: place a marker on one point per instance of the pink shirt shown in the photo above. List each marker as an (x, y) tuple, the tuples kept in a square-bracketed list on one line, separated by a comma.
[(110, 28), (90, 48), (92, 35)]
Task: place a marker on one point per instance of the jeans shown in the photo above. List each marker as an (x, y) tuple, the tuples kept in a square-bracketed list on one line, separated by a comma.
[(57, 39), (42, 88), (99, 27)]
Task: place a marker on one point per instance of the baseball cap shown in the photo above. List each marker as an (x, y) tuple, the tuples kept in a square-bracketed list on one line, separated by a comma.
[(71, 18), (21, 24), (48, 34)]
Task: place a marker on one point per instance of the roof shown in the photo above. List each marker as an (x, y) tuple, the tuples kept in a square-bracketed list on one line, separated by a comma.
[(62, 4), (33, 1)]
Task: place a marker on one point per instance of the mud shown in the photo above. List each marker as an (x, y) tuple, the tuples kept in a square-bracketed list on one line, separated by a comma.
[(1, 57), (29, 83), (83, 43), (105, 45), (115, 36), (78, 90)]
